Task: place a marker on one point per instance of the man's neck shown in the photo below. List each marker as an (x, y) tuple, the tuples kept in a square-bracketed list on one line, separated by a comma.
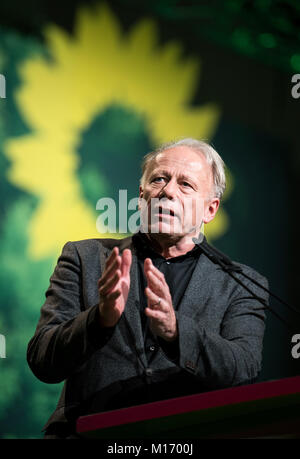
[(170, 246)]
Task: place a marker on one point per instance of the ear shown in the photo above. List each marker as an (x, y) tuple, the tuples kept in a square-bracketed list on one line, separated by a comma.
[(141, 191), (141, 194), (211, 210)]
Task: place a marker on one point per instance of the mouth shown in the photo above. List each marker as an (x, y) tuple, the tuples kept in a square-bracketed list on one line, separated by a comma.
[(166, 212)]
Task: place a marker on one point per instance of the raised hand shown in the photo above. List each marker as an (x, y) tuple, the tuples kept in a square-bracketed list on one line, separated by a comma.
[(160, 308), (113, 287)]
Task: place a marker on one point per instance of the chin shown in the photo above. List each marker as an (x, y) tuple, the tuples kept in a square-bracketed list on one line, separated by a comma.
[(165, 229)]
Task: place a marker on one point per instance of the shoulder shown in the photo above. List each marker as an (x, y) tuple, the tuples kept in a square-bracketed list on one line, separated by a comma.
[(242, 270), (232, 276), (252, 273), (97, 244)]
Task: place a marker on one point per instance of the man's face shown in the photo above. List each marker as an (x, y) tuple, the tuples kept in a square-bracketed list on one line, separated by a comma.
[(178, 193)]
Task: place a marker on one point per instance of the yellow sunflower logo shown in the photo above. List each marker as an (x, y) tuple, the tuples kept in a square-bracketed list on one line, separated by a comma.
[(59, 97)]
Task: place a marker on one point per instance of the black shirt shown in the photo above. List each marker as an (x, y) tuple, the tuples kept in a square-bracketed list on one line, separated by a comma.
[(177, 272)]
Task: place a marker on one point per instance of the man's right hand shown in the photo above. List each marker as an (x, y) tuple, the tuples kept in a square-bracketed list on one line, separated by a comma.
[(113, 287)]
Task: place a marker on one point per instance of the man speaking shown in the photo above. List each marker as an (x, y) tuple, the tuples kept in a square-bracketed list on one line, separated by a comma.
[(149, 317)]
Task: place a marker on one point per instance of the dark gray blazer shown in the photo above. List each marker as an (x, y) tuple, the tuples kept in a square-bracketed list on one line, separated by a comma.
[(220, 327)]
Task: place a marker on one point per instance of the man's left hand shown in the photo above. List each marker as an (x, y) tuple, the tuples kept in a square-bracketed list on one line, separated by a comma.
[(160, 309)]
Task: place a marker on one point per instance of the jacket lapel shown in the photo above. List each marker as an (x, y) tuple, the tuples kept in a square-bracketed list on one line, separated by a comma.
[(132, 310), (196, 293)]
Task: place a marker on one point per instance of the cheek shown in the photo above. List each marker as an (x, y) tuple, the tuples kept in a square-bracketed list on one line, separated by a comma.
[(145, 200), (193, 204), (145, 193), (151, 192)]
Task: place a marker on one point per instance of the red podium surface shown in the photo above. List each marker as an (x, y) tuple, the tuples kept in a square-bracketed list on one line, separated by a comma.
[(267, 409)]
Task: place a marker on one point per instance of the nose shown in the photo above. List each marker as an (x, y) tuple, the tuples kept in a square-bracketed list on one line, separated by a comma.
[(169, 190)]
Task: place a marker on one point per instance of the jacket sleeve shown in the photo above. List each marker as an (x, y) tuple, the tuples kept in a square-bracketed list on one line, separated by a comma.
[(66, 334), (232, 355)]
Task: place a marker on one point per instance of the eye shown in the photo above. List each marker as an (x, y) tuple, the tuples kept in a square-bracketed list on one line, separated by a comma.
[(187, 184), (157, 179)]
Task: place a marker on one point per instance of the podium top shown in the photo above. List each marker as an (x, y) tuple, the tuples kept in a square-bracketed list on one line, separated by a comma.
[(267, 394)]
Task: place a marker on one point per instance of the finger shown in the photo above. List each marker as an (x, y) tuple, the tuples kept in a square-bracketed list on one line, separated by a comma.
[(110, 266), (112, 257), (148, 264), (153, 299), (114, 295), (110, 271), (156, 285), (155, 302), (159, 287), (149, 267), (116, 264), (126, 262), (156, 272), (159, 279), (110, 284), (110, 300)]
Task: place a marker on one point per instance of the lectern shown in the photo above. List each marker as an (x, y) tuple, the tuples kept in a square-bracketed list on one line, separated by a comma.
[(261, 410)]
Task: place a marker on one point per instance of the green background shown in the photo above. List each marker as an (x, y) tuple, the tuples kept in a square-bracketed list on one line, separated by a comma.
[(248, 53)]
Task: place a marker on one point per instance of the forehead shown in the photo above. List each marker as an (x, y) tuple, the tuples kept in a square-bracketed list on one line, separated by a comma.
[(181, 160)]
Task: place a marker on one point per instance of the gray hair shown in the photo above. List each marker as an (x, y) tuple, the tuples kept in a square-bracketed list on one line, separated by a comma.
[(212, 158)]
